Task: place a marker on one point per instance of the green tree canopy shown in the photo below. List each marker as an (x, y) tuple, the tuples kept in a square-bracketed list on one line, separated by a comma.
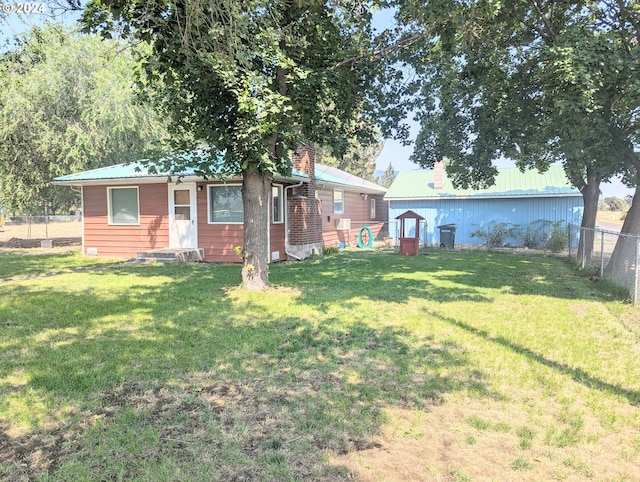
[(250, 80), (534, 81), (615, 204), (67, 103)]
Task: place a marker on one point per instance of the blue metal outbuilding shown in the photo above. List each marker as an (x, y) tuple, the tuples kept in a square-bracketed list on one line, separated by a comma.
[(517, 198)]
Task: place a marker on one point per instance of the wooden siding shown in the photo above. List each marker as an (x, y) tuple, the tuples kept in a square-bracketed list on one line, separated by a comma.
[(278, 242), (126, 241), (471, 214), (219, 240), (358, 210)]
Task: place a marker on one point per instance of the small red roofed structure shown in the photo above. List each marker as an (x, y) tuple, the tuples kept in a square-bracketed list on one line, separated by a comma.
[(409, 233)]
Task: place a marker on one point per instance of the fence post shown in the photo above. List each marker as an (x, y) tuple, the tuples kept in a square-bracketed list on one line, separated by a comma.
[(583, 258), (601, 254), (635, 274)]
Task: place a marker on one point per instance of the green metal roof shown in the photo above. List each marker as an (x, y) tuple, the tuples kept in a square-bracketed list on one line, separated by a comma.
[(119, 171), (137, 170), (510, 182)]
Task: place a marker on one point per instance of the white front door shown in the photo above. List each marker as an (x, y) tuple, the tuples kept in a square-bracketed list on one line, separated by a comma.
[(183, 219)]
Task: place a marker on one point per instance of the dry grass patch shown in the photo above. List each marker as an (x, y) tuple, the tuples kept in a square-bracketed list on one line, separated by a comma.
[(481, 440)]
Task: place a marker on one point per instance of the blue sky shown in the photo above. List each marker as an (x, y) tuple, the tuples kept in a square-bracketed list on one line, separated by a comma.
[(392, 153)]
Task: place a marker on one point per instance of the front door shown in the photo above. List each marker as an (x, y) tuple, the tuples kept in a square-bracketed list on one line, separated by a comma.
[(183, 219)]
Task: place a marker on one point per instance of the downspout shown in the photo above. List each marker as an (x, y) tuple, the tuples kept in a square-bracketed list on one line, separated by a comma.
[(286, 221), (81, 191)]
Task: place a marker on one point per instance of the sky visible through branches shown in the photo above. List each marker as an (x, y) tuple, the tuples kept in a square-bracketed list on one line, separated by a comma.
[(393, 152)]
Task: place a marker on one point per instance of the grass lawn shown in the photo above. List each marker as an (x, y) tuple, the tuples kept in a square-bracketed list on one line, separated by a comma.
[(17, 264), (453, 365)]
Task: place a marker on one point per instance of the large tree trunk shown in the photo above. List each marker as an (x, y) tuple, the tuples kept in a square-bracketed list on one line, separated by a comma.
[(621, 266), (255, 197), (590, 194)]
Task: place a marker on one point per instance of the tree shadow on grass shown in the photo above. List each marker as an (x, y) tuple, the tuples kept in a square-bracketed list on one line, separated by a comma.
[(443, 276), (576, 374), (168, 372), (176, 376)]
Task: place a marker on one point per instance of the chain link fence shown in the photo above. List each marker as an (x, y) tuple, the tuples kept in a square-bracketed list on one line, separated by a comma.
[(624, 271), (42, 219)]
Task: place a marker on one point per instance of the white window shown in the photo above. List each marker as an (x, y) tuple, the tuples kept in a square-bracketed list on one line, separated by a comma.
[(277, 214), (123, 205), (225, 204), (373, 209), (338, 204)]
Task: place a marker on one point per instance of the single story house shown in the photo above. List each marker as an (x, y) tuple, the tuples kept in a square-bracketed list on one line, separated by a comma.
[(127, 209), (516, 198)]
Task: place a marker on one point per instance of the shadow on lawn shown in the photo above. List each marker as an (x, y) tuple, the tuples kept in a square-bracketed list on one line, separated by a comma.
[(16, 264), (443, 276), (577, 374), (169, 371), (179, 376)]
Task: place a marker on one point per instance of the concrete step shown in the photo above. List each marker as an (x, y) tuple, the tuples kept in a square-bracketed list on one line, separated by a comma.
[(167, 255)]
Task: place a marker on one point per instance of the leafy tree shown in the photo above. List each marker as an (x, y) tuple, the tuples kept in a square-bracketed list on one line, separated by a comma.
[(359, 158), (535, 81), (67, 103), (250, 80), (388, 176), (615, 204)]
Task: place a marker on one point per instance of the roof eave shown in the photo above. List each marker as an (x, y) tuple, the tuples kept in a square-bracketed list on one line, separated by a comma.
[(127, 180), (321, 185), (440, 198)]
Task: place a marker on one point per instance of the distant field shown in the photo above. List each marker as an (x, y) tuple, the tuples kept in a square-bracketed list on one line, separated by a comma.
[(39, 231), (611, 216)]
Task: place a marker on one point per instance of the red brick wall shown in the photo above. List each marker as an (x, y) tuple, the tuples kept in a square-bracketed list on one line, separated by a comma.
[(304, 221), (305, 226)]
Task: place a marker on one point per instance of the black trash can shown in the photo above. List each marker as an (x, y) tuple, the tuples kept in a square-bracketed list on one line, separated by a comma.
[(447, 235)]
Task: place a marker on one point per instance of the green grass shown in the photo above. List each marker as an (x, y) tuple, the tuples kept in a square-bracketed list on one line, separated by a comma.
[(20, 263), (172, 373)]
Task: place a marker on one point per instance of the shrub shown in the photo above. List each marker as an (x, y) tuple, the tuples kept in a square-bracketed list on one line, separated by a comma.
[(330, 250), (558, 239), (534, 235), (494, 234)]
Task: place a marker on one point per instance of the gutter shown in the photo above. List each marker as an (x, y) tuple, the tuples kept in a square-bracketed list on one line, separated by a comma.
[(448, 198)]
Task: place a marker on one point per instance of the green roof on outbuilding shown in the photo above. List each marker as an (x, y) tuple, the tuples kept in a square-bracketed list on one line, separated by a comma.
[(510, 182)]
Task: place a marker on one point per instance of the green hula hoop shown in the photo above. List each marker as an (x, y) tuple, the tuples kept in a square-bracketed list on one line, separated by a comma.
[(360, 243)]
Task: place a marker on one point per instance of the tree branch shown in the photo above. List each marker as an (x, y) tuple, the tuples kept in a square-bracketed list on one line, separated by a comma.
[(544, 19), (380, 53)]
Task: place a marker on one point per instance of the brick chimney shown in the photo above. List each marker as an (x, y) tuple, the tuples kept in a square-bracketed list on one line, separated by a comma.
[(438, 175), (305, 224), (304, 160)]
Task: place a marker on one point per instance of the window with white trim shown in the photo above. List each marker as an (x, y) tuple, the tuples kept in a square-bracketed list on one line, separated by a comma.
[(123, 205), (225, 204), (277, 205), (338, 202), (373, 209)]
